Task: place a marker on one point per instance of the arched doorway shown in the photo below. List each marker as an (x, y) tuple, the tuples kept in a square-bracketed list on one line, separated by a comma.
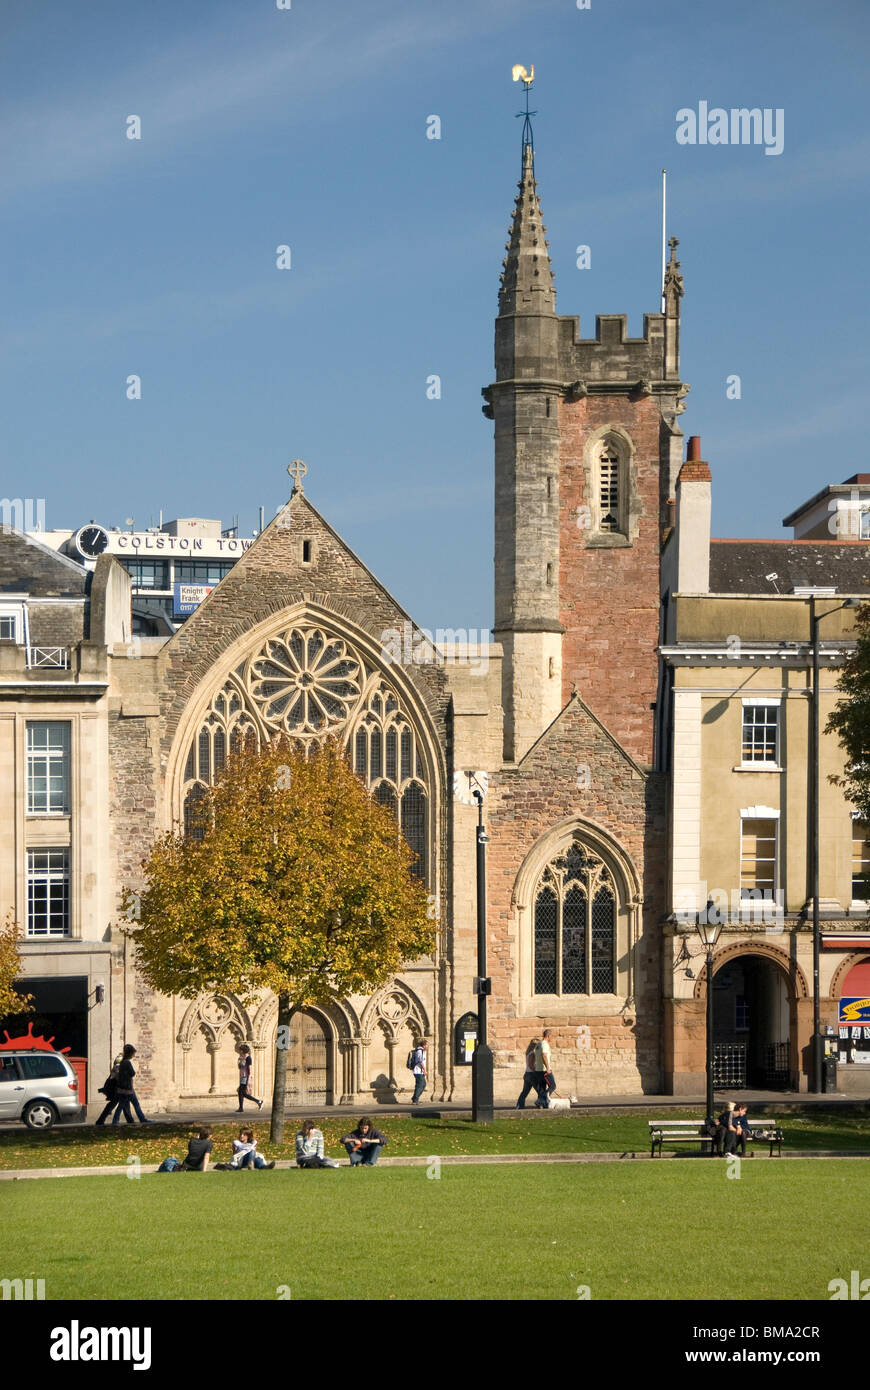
[(309, 1062), (751, 1025)]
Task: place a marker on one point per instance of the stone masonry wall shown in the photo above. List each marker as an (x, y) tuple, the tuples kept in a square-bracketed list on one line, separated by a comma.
[(523, 805)]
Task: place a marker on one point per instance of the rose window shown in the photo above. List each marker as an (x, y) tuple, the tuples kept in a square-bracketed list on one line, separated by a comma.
[(305, 682)]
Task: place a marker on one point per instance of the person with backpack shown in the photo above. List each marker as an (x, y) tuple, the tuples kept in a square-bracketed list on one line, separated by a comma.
[(530, 1076), (197, 1156), (125, 1094), (109, 1089), (198, 1151), (417, 1064)]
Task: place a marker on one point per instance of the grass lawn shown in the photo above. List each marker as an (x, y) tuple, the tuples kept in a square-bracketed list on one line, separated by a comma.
[(627, 1231), (516, 1133)]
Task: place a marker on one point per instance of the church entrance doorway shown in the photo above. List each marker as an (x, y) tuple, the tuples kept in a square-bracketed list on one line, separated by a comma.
[(309, 1062), (751, 1026)]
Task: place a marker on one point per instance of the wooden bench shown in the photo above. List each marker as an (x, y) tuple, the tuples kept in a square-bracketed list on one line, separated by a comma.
[(670, 1132)]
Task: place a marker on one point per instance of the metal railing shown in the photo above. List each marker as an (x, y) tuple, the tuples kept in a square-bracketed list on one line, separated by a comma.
[(57, 658)]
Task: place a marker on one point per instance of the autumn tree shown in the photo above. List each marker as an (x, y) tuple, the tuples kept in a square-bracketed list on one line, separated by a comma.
[(12, 1001), (290, 878), (850, 719)]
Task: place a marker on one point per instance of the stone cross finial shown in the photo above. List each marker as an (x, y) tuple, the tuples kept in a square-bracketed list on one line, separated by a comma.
[(297, 470)]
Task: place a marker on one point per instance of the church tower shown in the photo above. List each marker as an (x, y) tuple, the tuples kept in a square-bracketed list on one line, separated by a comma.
[(523, 402), (587, 451)]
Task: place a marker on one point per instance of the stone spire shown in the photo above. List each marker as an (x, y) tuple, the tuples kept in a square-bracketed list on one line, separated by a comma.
[(527, 279)]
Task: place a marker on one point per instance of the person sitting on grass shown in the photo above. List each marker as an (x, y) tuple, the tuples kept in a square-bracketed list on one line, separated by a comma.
[(309, 1148), (198, 1150), (364, 1144), (245, 1152)]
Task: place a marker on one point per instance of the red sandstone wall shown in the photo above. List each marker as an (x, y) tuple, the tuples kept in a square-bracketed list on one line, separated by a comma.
[(609, 598)]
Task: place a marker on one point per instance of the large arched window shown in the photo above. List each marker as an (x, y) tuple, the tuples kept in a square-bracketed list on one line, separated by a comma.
[(386, 754), (308, 682), (575, 925)]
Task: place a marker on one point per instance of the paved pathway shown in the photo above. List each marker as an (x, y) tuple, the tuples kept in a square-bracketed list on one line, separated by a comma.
[(213, 1112)]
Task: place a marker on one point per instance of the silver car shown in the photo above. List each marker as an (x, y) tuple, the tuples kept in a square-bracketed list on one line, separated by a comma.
[(39, 1088)]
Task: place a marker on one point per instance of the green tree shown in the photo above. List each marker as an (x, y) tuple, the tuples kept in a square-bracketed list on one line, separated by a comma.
[(12, 1001), (850, 719), (291, 878)]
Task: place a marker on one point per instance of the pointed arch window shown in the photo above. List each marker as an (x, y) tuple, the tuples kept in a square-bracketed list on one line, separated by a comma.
[(342, 695), (609, 486), (575, 926)]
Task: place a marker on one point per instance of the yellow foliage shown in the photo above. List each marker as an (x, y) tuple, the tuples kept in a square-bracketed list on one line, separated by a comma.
[(300, 882), (11, 1000)]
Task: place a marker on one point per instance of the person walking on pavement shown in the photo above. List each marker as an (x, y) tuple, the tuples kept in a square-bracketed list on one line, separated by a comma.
[(545, 1082), (125, 1094), (419, 1069), (530, 1081), (244, 1091), (109, 1089)]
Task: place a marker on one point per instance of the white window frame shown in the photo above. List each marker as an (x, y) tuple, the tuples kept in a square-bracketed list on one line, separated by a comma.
[(753, 702), (44, 758), (18, 613), (759, 813), (51, 874), (859, 904)]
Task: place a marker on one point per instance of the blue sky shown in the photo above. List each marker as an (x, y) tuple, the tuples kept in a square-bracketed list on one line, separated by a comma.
[(307, 127)]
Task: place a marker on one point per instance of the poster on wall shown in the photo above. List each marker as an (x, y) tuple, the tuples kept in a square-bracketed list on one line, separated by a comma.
[(855, 1011)]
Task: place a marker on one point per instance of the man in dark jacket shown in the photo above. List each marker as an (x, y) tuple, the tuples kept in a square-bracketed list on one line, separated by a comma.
[(364, 1143)]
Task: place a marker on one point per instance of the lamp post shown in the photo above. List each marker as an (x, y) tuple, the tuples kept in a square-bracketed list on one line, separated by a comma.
[(481, 1063), (708, 930), (817, 1045)]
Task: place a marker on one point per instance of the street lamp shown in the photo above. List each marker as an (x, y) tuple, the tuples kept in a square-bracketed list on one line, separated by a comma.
[(481, 1062), (708, 928), (815, 747)]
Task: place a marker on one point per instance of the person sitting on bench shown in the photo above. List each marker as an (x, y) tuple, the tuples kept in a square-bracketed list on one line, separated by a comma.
[(727, 1130), (741, 1124)]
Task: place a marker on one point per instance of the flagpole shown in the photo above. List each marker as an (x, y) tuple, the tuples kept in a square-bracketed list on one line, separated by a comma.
[(664, 207)]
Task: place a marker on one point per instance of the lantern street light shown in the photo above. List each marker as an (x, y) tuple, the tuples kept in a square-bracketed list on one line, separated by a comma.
[(709, 927), (482, 1107)]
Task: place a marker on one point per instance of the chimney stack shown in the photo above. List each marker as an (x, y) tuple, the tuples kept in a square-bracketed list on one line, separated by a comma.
[(694, 503)]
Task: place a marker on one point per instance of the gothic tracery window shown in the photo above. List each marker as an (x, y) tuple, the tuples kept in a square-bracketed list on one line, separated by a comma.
[(307, 683), (575, 925)]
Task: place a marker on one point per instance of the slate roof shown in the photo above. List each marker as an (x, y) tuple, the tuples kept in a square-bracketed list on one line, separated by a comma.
[(740, 566), (29, 567)]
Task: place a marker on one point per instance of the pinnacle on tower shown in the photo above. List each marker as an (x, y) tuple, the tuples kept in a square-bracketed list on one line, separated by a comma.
[(527, 280), (673, 286)]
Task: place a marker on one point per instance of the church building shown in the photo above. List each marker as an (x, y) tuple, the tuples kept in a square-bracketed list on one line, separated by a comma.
[(566, 720)]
